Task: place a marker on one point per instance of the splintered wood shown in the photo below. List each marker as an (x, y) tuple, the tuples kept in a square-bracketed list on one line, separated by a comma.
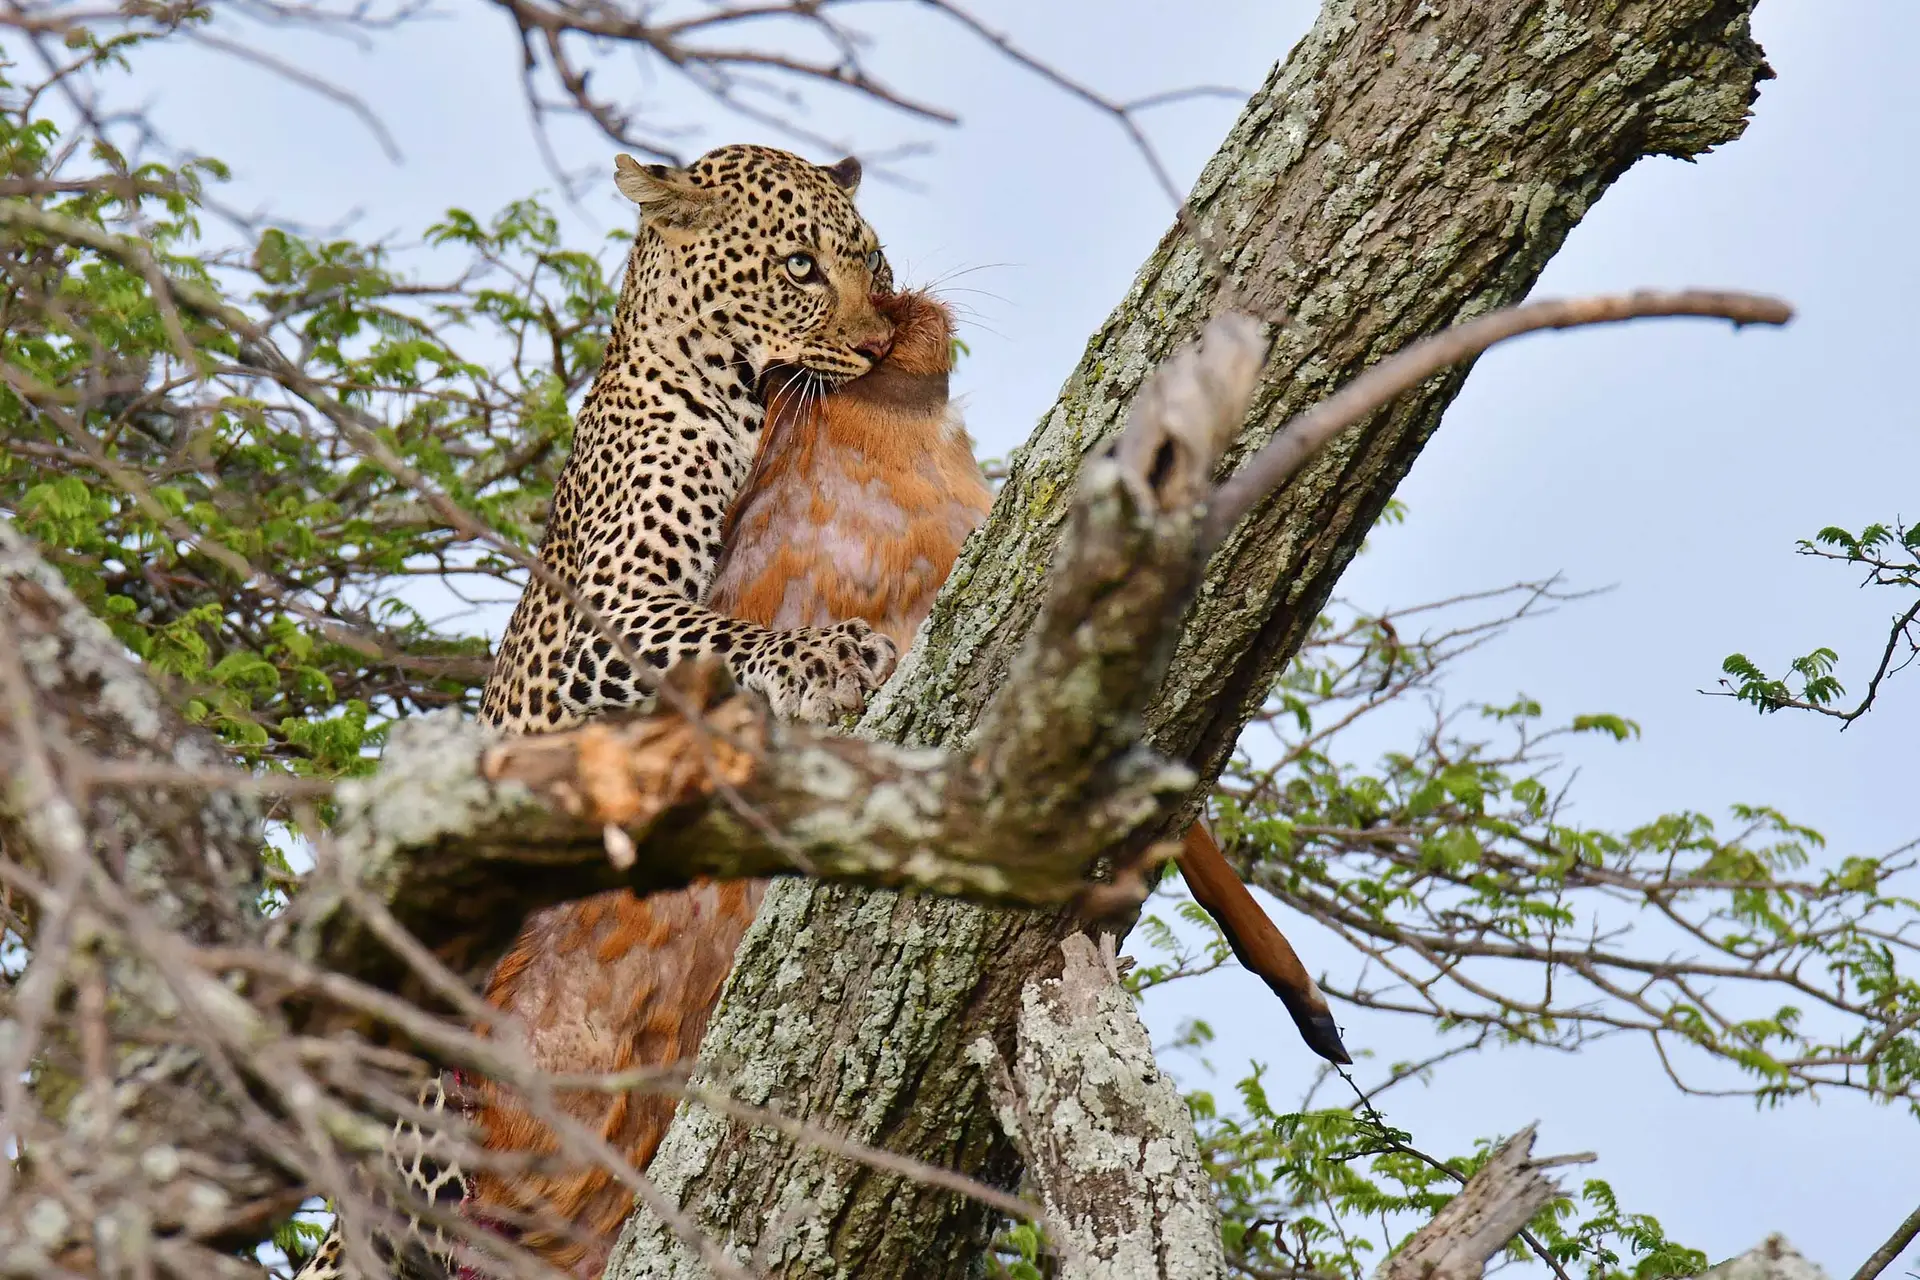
[(624, 774)]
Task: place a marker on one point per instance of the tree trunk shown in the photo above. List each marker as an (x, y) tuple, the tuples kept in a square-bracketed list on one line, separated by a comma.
[(1413, 163)]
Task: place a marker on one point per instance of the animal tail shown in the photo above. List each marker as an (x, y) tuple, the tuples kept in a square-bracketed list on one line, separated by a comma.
[(1257, 943)]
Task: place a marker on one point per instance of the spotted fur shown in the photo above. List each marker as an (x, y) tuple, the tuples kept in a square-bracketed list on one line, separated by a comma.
[(666, 436), (750, 258)]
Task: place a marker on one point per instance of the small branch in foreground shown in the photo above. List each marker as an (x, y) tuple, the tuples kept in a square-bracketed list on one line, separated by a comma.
[(1882, 1258), (1308, 433)]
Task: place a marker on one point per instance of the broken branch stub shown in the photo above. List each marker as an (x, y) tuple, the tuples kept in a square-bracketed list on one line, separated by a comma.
[(630, 771), (1069, 715), (1187, 414), (1491, 1210)]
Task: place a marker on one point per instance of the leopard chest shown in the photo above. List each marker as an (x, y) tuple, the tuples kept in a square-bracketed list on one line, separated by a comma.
[(657, 459)]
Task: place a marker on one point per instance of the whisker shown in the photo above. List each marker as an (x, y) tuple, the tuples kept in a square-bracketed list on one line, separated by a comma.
[(974, 322), (790, 393), (816, 386), (963, 311), (980, 292), (957, 272)]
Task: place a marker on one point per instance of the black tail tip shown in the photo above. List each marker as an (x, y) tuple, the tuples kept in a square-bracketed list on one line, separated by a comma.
[(1323, 1037)]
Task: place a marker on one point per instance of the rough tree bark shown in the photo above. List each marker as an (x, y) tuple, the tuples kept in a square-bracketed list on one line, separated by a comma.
[(1104, 1134), (1413, 163)]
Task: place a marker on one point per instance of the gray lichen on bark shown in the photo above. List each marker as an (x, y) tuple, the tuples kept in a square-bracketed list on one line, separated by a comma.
[(1772, 1259), (1104, 1132), (1412, 163)]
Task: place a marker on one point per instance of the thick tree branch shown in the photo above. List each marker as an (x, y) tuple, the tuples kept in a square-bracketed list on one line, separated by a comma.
[(443, 839), (1895, 1245)]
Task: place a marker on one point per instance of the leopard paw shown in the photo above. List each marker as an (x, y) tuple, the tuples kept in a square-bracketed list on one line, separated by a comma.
[(820, 674)]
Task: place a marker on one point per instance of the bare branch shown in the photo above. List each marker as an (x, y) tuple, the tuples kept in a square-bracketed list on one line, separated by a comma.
[(1373, 390), (1896, 1244), (724, 73)]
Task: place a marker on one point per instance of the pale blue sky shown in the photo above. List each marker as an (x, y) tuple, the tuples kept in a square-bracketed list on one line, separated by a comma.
[(1679, 462)]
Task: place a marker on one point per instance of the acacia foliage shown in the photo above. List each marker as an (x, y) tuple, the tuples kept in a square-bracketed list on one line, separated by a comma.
[(196, 476), (1469, 895), (1887, 556)]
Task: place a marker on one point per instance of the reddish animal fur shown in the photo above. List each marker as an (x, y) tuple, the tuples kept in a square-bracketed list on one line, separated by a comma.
[(603, 984), (857, 503)]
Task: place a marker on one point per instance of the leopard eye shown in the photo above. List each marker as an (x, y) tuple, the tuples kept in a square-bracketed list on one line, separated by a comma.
[(875, 262), (801, 266)]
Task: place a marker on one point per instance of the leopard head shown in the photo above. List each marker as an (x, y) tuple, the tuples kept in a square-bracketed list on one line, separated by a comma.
[(764, 251)]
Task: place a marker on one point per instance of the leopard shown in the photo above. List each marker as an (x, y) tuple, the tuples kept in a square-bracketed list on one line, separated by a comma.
[(856, 506), (747, 260)]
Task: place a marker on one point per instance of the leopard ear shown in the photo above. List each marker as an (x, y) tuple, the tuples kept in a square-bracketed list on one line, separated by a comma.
[(667, 196), (845, 174)]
